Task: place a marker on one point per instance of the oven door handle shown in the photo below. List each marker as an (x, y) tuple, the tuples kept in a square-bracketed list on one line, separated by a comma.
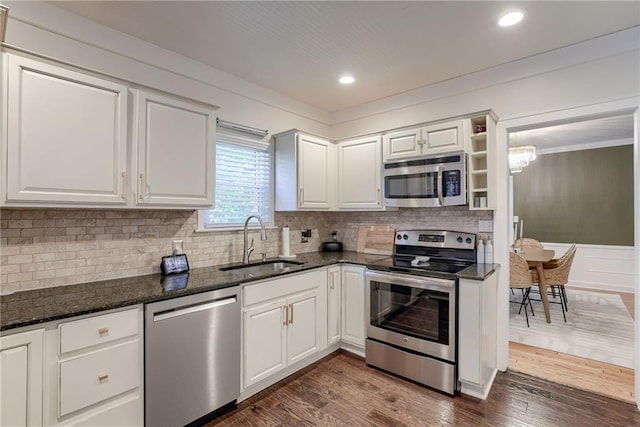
[(412, 281), (439, 186)]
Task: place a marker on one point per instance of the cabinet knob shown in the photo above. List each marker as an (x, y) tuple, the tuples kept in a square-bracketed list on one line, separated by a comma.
[(103, 331), (103, 377)]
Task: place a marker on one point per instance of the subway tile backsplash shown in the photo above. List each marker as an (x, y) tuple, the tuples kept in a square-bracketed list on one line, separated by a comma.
[(42, 248)]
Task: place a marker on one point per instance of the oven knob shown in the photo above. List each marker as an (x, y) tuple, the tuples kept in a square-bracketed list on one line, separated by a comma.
[(399, 237), (405, 237), (459, 239), (468, 240)]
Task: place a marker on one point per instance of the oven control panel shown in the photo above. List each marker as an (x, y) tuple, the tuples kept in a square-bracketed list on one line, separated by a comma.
[(436, 238)]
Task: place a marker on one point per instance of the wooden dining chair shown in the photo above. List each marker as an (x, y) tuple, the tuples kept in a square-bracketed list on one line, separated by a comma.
[(556, 275), (520, 278)]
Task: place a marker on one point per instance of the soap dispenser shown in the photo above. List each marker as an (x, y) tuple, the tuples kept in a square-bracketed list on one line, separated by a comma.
[(480, 251), (488, 252)]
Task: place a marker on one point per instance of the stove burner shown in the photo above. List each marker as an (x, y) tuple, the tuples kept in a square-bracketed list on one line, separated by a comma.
[(440, 255)]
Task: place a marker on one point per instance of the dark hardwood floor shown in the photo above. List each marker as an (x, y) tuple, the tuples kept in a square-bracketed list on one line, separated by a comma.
[(341, 390)]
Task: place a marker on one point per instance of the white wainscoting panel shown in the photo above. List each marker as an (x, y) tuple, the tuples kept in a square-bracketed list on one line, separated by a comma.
[(599, 267)]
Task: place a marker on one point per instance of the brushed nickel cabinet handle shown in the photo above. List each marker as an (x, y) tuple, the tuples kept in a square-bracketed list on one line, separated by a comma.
[(141, 192), (286, 314), (123, 194), (103, 331), (102, 377), (291, 318)]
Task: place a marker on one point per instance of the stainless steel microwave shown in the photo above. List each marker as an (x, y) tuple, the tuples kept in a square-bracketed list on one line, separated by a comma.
[(432, 181)]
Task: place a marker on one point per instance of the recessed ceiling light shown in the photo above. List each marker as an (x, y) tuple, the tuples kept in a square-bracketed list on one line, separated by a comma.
[(510, 18), (347, 79)]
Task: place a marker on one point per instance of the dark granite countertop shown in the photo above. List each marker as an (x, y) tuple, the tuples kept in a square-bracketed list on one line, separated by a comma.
[(478, 271), (43, 305)]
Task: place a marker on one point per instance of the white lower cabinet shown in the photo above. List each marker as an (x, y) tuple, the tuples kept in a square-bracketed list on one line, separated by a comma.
[(477, 340), (265, 341), (353, 300), (284, 322), (334, 297), (21, 361), (94, 370)]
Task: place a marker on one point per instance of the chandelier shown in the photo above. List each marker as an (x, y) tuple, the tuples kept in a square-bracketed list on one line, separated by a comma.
[(519, 157)]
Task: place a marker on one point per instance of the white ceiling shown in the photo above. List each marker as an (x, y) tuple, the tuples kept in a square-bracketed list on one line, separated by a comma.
[(299, 48), (606, 131)]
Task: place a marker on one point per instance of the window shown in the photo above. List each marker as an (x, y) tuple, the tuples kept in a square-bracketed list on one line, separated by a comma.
[(243, 182)]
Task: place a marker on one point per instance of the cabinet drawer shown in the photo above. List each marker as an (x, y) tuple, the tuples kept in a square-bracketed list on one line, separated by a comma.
[(278, 288), (98, 330), (97, 376)]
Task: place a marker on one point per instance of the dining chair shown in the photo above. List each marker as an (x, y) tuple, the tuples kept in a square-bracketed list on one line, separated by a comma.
[(520, 278), (556, 275), (527, 242)]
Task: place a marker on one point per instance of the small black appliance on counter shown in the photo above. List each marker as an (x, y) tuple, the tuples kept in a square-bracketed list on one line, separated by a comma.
[(333, 245)]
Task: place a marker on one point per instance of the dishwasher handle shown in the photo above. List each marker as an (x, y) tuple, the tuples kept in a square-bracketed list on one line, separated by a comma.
[(193, 308)]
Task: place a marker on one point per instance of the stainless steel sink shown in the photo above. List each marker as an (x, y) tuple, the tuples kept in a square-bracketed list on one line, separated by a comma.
[(261, 268)]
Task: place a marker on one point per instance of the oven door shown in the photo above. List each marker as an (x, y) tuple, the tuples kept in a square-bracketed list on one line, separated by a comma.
[(412, 312), (425, 186)]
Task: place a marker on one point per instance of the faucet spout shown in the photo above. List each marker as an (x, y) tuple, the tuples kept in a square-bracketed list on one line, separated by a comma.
[(246, 252)]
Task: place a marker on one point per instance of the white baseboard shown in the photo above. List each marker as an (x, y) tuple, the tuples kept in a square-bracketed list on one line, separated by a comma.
[(609, 268)]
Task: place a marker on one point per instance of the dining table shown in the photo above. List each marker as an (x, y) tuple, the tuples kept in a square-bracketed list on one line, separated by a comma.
[(537, 257)]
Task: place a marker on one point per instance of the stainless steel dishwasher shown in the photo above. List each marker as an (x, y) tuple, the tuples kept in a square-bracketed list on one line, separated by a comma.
[(192, 357)]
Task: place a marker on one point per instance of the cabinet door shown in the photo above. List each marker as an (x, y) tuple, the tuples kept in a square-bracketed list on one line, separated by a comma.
[(66, 136), (442, 138), (353, 300), (401, 144), (176, 151), (264, 341), (21, 360), (359, 173), (334, 295), (302, 332), (314, 172)]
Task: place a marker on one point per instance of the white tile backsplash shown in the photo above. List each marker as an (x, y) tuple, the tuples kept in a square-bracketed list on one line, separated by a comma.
[(42, 248)]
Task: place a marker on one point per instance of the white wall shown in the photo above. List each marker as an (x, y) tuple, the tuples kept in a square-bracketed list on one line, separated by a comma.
[(609, 268), (591, 72)]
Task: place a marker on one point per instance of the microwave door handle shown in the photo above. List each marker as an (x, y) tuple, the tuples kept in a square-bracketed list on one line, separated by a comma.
[(439, 186)]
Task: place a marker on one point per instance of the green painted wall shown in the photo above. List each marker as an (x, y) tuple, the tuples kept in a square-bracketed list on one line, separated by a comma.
[(578, 197)]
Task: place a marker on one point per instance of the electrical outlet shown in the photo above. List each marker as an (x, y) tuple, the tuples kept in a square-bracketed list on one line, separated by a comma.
[(177, 247), (485, 226)]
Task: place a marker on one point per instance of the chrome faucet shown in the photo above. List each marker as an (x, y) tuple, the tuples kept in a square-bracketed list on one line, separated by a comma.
[(246, 253)]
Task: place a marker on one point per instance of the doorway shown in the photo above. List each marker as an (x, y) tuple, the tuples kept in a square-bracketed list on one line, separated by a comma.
[(576, 191), (504, 213)]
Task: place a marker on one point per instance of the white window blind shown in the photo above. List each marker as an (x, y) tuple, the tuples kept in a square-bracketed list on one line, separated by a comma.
[(243, 183)]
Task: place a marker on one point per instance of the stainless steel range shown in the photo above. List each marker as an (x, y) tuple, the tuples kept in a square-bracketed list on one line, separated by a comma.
[(411, 306)]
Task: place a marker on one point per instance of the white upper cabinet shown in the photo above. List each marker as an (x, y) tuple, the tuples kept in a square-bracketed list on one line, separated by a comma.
[(359, 173), (432, 139), (68, 141), (175, 151), (304, 172), (402, 144), (66, 135)]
